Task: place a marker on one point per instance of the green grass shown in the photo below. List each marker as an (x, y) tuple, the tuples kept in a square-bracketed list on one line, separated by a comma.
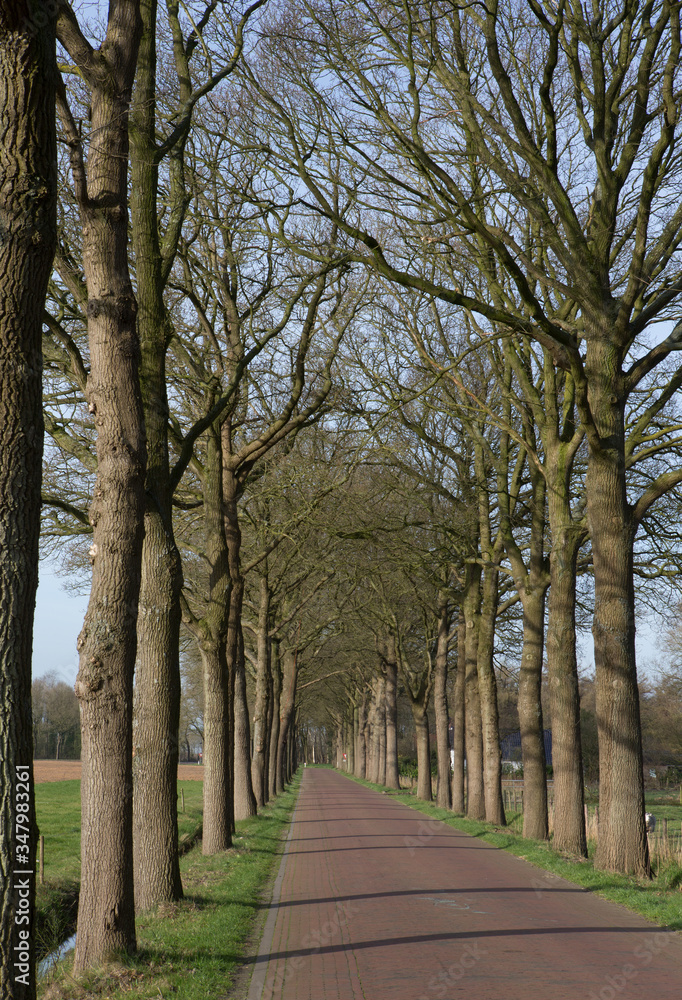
[(58, 812), (189, 950), (665, 807), (659, 900)]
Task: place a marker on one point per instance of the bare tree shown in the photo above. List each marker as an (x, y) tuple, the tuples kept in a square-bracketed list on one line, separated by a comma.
[(28, 223), (526, 98), (159, 201), (107, 643)]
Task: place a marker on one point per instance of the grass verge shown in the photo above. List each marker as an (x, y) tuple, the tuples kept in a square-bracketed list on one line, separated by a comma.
[(190, 950), (58, 812), (659, 900)]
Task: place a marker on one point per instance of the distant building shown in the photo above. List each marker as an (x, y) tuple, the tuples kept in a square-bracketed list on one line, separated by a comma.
[(511, 749)]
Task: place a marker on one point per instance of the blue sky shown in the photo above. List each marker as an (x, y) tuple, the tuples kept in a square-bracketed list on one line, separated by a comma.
[(58, 620), (59, 617)]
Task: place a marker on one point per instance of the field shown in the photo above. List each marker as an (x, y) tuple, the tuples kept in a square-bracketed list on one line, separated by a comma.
[(64, 770), (58, 812), (190, 949)]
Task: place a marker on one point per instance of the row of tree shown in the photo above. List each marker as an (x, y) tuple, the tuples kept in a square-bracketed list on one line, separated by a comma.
[(350, 347), (56, 722)]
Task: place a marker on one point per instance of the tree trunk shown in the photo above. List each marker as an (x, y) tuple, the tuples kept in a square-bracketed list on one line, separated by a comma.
[(381, 731), (531, 578), (274, 731), (390, 665), (269, 715), (472, 713), (440, 704), (360, 749), (157, 673), (458, 720), (28, 180), (421, 727), (350, 739), (291, 751), (419, 703), (217, 829), (287, 704), (260, 709), (107, 642), (562, 671), (623, 845), (244, 799), (373, 735), (211, 635), (530, 717), (487, 687), (156, 720), (371, 758)]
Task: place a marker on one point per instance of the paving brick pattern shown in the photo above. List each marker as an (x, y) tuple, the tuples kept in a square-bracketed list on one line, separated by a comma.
[(379, 902)]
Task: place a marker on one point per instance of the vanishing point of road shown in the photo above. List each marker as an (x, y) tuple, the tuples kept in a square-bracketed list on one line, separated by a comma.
[(375, 900)]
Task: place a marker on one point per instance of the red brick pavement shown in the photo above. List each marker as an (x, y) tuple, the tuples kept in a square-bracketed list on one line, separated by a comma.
[(377, 901)]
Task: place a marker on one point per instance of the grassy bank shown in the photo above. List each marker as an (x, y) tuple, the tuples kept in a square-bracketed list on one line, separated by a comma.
[(58, 812), (190, 950), (659, 900)]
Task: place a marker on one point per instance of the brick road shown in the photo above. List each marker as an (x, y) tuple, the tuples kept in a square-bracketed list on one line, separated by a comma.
[(375, 900)]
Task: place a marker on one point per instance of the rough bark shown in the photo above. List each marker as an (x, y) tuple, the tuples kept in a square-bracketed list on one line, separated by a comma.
[(458, 721), (211, 634), (418, 687), (487, 687), (471, 609), (562, 672), (530, 717), (274, 730), (361, 746), (244, 799), (263, 683), (291, 752), (29, 235), (440, 704), (217, 828), (349, 736), (421, 727), (390, 668), (373, 734), (269, 715), (419, 705), (623, 842), (107, 642), (156, 718), (531, 579), (381, 730), (286, 714), (157, 672)]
